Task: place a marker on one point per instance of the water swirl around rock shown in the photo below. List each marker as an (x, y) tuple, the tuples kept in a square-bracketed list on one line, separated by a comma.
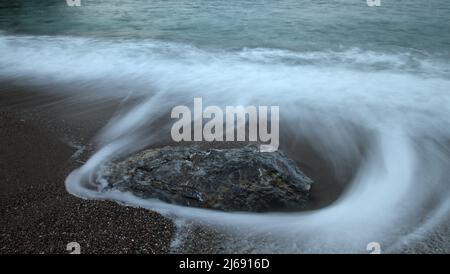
[(233, 179)]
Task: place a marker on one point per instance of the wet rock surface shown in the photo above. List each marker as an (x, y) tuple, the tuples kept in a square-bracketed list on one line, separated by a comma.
[(233, 179)]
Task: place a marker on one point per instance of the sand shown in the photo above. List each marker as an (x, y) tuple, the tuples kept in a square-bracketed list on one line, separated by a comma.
[(37, 215)]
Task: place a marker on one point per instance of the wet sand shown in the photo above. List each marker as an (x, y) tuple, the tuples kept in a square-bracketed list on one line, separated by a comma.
[(44, 136), (38, 149)]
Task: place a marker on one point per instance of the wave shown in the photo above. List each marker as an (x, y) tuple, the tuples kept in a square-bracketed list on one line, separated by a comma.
[(75, 58), (400, 101)]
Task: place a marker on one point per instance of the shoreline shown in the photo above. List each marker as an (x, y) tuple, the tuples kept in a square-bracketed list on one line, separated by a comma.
[(45, 136), (37, 214)]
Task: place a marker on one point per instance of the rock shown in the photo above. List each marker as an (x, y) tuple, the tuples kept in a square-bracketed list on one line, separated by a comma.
[(234, 179)]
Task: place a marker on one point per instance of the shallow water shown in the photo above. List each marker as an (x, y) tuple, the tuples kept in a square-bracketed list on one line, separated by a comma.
[(356, 84)]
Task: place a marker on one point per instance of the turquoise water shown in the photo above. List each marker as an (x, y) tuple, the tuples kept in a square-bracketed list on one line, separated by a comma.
[(304, 25)]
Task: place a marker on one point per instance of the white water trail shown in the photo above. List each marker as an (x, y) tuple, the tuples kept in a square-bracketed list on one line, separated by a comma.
[(375, 208), (400, 193)]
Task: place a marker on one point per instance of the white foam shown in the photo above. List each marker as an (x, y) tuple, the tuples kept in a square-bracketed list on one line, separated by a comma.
[(402, 99)]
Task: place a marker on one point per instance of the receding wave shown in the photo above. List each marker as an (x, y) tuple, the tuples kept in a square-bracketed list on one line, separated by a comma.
[(394, 105)]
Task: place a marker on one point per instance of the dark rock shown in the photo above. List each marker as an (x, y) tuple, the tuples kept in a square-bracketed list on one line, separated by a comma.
[(234, 179)]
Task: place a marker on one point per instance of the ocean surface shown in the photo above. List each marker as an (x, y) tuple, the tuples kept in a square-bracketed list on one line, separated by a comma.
[(357, 83)]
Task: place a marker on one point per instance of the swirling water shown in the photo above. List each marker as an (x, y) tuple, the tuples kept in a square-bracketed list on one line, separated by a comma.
[(335, 68)]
